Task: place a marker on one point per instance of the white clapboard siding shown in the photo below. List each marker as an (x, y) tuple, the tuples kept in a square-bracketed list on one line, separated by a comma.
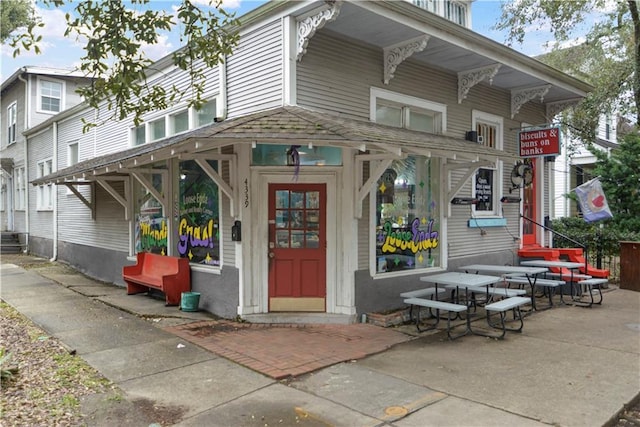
[(254, 71), (40, 221), (109, 230)]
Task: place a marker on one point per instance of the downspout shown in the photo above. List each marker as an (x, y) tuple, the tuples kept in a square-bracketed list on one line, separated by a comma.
[(27, 125), (54, 167)]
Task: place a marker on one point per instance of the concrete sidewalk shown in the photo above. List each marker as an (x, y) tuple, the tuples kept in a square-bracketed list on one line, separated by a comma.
[(571, 366)]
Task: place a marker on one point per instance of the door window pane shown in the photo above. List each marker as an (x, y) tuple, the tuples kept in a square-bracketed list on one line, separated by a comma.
[(297, 219)]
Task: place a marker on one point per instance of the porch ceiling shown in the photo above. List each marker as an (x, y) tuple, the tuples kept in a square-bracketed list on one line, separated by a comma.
[(450, 47), (284, 125)]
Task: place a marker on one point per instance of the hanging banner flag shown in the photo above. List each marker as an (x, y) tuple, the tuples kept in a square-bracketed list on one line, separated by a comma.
[(592, 201)]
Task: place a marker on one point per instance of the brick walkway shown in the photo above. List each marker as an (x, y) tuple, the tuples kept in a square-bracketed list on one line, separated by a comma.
[(288, 350)]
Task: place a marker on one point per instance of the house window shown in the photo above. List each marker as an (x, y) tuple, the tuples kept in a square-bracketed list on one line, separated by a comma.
[(394, 109), (206, 114), (20, 179), (456, 12), (73, 156), (50, 96), (486, 185), (12, 115), (179, 122), (429, 5), (138, 134), (45, 191), (158, 129), (199, 225)]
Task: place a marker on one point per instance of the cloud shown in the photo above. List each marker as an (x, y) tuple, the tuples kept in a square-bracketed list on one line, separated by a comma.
[(226, 4), (55, 23), (158, 50)]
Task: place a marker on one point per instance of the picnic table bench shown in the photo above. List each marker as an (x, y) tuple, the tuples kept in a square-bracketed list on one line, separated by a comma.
[(589, 285), (501, 307), (549, 284), (170, 275), (437, 306)]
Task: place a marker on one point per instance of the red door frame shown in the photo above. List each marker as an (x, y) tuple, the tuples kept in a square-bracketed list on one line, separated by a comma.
[(297, 261), (530, 208)]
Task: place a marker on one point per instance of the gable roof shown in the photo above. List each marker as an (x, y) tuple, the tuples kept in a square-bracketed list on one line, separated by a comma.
[(41, 71)]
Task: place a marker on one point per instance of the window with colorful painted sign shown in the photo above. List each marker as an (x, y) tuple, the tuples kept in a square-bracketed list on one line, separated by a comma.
[(408, 216), (199, 222), (151, 221)]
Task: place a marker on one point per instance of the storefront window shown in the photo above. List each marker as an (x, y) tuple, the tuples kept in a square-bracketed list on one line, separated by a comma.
[(151, 221), (199, 223), (408, 216)]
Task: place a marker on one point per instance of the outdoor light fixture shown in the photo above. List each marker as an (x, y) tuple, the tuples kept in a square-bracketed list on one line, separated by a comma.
[(510, 199), (464, 201)]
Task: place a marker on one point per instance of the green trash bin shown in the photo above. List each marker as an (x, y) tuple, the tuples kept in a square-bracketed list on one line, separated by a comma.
[(190, 301)]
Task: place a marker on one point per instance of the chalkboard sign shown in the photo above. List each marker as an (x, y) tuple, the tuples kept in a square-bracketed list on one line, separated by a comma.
[(484, 190)]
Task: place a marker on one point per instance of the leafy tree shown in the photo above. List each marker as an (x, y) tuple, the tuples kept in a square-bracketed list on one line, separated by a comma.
[(15, 14), (114, 56), (620, 177), (609, 58)]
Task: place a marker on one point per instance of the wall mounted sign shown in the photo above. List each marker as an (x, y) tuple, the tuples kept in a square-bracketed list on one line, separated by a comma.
[(539, 142)]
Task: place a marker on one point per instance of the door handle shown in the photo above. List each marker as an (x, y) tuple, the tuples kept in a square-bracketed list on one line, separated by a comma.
[(272, 255)]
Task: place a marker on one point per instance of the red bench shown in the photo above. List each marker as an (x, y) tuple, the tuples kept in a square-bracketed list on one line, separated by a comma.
[(170, 275)]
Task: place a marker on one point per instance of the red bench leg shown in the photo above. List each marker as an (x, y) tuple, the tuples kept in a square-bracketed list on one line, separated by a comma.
[(135, 288)]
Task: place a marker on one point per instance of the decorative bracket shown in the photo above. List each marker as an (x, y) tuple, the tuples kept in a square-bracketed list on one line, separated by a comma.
[(470, 78), (555, 108), (522, 96), (309, 24), (396, 54)]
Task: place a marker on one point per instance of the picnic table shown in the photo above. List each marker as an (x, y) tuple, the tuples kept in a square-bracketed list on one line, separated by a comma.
[(529, 272), (469, 283), (577, 281)]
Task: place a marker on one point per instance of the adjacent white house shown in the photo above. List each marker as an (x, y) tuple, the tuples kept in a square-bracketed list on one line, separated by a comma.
[(351, 146), (30, 96), (574, 167)]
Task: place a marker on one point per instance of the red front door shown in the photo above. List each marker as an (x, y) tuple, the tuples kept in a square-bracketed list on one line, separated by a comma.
[(529, 210), (297, 247)]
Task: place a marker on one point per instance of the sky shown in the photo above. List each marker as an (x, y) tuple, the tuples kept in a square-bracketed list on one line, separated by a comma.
[(61, 52)]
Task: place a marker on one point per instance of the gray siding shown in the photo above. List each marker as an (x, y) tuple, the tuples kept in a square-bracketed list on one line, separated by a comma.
[(337, 75), (70, 97), (109, 230), (254, 71)]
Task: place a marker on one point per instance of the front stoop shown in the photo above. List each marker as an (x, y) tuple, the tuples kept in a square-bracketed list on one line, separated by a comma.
[(386, 320)]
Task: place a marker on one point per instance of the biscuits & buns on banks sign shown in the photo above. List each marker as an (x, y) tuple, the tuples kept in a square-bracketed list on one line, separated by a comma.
[(540, 142)]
